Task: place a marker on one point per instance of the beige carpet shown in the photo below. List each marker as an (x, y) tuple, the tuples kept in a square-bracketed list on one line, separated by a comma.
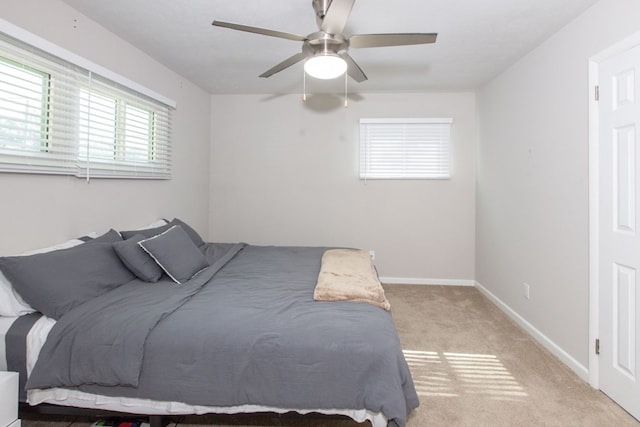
[(471, 365)]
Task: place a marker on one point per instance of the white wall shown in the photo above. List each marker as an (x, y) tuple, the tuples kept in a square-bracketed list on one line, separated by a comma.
[(41, 210), (286, 173), (532, 190)]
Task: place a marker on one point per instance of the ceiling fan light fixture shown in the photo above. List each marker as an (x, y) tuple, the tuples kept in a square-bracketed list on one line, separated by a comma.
[(326, 65)]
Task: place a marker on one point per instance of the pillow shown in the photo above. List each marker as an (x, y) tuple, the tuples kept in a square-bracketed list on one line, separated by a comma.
[(193, 234), (154, 224), (137, 260), (175, 253), (88, 237), (12, 304), (150, 232), (110, 236), (55, 282)]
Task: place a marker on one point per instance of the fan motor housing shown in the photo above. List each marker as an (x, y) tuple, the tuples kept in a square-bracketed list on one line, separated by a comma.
[(323, 42)]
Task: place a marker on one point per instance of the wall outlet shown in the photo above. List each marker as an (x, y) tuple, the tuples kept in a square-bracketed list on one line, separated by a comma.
[(372, 254), (525, 290)]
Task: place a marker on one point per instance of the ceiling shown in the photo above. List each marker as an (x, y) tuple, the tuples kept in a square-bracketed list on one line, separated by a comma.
[(477, 39)]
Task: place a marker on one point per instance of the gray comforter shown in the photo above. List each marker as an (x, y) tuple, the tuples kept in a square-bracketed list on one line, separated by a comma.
[(244, 331)]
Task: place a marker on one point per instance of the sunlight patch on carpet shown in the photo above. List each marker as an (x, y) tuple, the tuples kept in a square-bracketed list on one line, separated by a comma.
[(457, 374)]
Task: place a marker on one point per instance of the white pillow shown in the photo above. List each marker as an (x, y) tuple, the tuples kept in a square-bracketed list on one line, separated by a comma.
[(12, 304), (154, 224), (68, 244)]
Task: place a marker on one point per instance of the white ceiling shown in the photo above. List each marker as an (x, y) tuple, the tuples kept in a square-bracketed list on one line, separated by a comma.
[(476, 40)]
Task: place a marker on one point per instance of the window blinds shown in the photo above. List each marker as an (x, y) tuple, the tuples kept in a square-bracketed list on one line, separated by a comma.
[(404, 148), (121, 135), (36, 112), (59, 118)]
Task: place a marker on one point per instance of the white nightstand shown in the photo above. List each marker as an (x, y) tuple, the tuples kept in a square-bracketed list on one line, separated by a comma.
[(9, 399)]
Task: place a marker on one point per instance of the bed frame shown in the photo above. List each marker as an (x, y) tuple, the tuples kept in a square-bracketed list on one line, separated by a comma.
[(48, 409)]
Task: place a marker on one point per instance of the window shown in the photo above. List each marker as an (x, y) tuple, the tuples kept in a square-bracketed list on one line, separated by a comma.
[(57, 117), (404, 148), (23, 107), (119, 134)]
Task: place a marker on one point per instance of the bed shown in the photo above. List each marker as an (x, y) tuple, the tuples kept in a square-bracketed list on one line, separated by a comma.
[(242, 334)]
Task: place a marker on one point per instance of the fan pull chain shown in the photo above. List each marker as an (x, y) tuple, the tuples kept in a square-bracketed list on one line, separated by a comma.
[(304, 86), (346, 99)]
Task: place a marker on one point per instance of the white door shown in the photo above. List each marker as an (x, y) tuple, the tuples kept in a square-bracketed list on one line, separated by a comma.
[(619, 265)]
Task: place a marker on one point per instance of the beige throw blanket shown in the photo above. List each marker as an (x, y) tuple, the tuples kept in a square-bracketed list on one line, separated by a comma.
[(349, 275)]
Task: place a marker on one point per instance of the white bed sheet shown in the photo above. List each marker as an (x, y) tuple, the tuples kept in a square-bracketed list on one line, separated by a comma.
[(64, 397)]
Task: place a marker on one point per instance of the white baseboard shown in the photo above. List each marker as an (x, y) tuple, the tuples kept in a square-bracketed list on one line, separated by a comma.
[(423, 281), (547, 343)]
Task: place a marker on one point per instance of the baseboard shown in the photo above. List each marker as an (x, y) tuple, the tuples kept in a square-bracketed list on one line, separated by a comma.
[(423, 281), (547, 343)]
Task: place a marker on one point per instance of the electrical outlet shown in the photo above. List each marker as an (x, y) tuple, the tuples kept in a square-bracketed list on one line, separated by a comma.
[(372, 254), (525, 289)]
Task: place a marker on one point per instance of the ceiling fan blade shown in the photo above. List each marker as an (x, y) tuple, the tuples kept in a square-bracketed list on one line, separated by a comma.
[(398, 39), (284, 64), (256, 30), (336, 16), (353, 70)]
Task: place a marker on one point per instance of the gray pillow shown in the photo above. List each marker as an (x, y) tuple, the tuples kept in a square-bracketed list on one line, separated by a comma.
[(137, 260), (175, 253), (150, 232), (55, 282), (193, 234), (108, 237)]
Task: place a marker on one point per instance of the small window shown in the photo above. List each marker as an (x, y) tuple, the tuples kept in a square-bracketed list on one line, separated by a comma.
[(404, 148)]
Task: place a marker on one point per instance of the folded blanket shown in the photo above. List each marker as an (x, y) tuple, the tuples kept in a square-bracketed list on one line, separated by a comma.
[(349, 275)]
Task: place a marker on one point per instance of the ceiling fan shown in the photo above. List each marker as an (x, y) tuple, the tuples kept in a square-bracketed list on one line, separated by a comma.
[(325, 51)]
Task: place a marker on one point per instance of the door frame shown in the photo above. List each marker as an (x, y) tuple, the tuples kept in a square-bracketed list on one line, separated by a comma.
[(594, 198)]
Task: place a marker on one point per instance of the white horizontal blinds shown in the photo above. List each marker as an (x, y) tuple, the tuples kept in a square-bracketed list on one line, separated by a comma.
[(122, 135), (37, 126), (59, 118), (404, 148)]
